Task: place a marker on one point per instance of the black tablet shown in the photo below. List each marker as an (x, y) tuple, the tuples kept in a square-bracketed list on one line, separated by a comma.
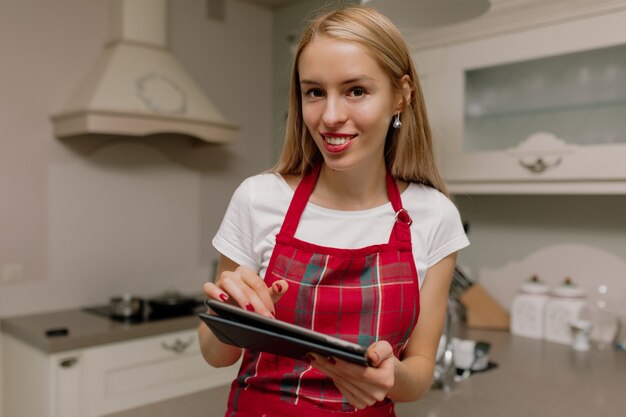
[(238, 327)]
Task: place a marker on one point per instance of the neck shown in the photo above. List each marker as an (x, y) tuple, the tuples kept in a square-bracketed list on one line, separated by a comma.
[(357, 189)]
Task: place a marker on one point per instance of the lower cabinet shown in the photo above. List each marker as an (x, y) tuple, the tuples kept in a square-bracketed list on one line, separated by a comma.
[(105, 379)]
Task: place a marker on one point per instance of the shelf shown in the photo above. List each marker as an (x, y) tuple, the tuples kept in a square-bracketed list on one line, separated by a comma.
[(543, 110)]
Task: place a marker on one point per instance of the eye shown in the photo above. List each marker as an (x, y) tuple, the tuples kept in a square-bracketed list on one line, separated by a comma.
[(357, 92), (314, 93)]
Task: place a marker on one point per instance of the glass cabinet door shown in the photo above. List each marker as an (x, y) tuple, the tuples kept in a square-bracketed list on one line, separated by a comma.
[(540, 110), (579, 97)]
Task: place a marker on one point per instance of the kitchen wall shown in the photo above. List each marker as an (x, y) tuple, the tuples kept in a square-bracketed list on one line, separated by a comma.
[(506, 229), (81, 221)]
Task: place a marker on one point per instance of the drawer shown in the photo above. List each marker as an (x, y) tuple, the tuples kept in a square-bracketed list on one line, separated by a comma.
[(130, 374)]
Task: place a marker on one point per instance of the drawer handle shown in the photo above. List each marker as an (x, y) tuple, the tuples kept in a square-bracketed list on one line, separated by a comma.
[(178, 346), (539, 165), (68, 362)]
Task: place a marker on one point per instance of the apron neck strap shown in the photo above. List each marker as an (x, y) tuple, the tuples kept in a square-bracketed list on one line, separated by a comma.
[(299, 201), (400, 232), (401, 228)]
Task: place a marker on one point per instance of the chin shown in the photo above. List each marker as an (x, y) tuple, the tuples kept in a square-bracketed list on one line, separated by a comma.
[(339, 165)]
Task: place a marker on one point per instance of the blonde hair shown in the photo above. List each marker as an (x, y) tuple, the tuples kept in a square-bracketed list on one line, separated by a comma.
[(408, 150)]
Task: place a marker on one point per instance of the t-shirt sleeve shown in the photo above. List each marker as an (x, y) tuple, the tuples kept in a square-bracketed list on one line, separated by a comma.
[(448, 235), (235, 236)]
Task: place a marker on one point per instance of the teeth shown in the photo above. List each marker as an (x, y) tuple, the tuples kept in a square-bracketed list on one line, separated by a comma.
[(336, 141)]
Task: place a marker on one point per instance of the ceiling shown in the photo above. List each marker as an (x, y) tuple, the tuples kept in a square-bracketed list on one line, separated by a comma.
[(271, 4)]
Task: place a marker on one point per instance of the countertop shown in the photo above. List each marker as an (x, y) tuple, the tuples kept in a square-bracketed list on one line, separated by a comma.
[(85, 329), (533, 378)]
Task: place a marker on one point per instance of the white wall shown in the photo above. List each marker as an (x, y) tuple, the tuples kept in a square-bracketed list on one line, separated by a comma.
[(91, 219), (507, 229)]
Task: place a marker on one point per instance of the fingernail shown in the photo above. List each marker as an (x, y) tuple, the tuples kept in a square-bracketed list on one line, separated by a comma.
[(279, 287), (332, 360), (224, 297), (249, 307)]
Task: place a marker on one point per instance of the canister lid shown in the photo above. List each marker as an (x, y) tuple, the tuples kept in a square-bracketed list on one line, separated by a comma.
[(568, 290), (534, 286)]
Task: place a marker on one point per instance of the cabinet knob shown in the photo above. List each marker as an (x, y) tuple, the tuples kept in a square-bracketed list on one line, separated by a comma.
[(539, 165), (178, 346), (68, 362)]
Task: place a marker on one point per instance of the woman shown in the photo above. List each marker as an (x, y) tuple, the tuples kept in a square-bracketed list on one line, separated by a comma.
[(351, 234)]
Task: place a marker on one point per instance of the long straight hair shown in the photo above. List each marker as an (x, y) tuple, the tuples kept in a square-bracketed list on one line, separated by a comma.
[(409, 153)]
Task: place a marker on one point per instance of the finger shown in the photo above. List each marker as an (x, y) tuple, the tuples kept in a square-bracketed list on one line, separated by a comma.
[(212, 291), (353, 398), (278, 289), (356, 395), (244, 296), (359, 394), (257, 284), (378, 352), (367, 384), (337, 368)]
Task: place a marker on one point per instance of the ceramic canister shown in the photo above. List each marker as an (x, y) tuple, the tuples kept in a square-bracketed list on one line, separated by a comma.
[(527, 309), (564, 307)]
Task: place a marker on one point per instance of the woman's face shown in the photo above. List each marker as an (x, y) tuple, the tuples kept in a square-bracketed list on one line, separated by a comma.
[(347, 102)]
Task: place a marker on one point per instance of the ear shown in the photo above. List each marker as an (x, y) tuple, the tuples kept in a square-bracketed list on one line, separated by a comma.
[(404, 94)]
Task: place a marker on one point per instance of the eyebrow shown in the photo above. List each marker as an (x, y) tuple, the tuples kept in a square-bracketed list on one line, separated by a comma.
[(349, 81)]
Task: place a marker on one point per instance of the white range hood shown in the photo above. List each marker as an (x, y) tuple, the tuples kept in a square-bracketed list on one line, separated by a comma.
[(138, 88)]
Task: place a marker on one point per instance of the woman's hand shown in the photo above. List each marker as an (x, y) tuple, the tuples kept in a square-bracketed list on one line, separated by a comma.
[(244, 287), (361, 385)]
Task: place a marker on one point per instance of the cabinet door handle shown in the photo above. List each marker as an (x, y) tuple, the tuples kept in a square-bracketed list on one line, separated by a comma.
[(178, 346), (539, 165), (68, 362)]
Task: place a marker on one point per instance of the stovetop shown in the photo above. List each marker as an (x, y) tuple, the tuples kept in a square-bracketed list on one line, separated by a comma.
[(105, 311)]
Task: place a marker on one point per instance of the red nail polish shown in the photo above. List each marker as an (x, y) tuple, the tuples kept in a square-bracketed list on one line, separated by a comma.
[(224, 297), (249, 307), (279, 287), (332, 360)]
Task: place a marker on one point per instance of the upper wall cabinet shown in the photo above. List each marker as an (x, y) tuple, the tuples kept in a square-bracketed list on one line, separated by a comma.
[(535, 110)]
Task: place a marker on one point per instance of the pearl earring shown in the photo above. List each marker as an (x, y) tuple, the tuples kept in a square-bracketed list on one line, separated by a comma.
[(397, 123)]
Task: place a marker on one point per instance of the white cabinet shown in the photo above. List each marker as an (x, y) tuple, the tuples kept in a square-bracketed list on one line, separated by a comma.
[(538, 110), (105, 379)]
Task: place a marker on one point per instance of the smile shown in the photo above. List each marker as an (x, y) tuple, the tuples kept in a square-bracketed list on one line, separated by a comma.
[(338, 140)]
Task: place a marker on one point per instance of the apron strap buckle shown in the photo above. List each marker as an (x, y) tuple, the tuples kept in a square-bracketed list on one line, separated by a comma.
[(402, 216)]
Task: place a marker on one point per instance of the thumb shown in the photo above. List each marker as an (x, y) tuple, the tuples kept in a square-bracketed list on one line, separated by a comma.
[(379, 352), (278, 289)]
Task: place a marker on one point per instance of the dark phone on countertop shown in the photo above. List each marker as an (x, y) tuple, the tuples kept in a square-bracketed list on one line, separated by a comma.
[(238, 327)]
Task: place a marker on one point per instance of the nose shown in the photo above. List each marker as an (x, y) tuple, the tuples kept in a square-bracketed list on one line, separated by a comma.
[(334, 112)]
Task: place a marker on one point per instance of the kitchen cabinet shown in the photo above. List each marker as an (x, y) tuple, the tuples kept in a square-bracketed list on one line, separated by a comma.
[(104, 379), (535, 110)]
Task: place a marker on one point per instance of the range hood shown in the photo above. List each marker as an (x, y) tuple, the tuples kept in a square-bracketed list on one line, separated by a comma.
[(138, 88)]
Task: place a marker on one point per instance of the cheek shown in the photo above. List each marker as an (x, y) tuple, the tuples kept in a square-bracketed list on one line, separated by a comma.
[(372, 116), (309, 116)]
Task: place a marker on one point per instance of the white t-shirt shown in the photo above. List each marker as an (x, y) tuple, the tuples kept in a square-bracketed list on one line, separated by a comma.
[(257, 209)]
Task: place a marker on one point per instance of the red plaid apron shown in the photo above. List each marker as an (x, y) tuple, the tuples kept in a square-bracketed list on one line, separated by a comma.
[(360, 295)]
